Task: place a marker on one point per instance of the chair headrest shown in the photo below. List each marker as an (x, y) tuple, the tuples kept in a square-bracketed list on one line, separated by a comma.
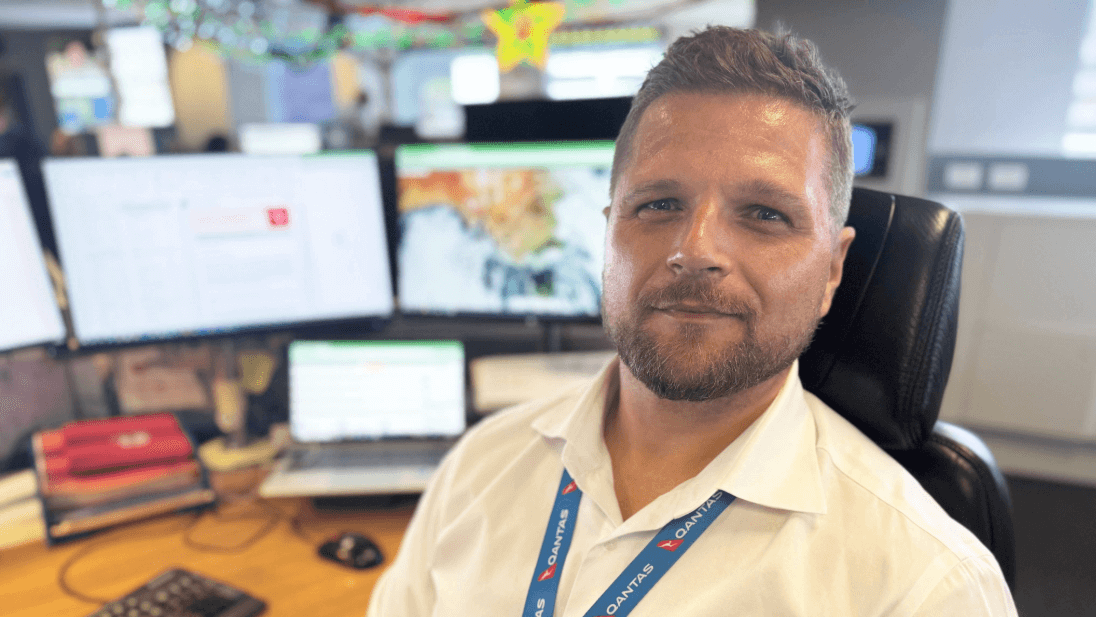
[(881, 357)]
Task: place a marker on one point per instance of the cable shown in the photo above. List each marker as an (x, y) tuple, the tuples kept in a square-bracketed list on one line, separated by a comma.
[(62, 572), (275, 516), (297, 527)]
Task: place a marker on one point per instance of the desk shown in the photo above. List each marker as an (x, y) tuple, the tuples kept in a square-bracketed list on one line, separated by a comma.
[(281, 568)]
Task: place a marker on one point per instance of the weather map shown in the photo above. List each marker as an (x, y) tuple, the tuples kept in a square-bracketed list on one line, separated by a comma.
[(515, 233)]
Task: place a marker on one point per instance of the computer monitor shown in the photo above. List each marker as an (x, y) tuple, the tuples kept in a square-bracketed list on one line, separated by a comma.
[(544, 120), (871, 144), (502, 229), (375, 390), (180, 246), (29, 314)]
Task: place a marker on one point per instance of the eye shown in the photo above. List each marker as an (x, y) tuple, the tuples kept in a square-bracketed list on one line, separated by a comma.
[(659, 205), (763, 213)]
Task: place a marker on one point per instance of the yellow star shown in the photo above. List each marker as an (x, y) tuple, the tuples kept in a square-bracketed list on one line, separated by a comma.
[(523, 31)]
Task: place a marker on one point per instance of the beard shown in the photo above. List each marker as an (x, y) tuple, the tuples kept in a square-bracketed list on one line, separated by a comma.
[(689, 367)]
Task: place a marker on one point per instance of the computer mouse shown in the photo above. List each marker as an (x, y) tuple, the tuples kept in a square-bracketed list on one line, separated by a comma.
[(353, 550)]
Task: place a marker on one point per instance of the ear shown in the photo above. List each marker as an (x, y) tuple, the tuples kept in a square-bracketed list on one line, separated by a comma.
[(837, 266), (606, 212)]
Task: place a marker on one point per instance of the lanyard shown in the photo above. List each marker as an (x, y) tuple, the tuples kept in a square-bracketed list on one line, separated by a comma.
[(660, 554)]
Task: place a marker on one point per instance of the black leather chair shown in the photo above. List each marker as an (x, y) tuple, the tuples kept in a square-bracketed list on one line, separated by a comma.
[(881, 358)]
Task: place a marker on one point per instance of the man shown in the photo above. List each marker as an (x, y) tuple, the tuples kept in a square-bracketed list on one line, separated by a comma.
[(694, 476)]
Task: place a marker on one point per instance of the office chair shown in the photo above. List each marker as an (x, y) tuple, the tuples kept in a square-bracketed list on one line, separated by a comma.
[(881, 358)]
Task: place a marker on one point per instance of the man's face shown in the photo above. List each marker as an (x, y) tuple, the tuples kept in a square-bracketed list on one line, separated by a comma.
[(719, 255)]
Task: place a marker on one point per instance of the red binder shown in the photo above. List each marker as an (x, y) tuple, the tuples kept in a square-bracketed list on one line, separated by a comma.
[(96, 473)]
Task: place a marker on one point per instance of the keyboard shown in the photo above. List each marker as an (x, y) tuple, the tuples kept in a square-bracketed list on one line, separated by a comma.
[(180, 593), (370, 455)]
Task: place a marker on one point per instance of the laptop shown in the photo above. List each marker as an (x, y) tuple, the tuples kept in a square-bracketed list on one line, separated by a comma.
[(369, 417)]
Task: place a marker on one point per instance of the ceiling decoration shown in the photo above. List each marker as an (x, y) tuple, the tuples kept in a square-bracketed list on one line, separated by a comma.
[(305, 31), (523, 30)]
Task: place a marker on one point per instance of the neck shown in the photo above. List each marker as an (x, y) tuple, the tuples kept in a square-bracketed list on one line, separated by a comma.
[(655, 444)]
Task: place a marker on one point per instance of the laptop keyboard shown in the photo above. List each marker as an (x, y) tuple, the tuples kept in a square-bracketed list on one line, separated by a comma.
[(372, 455)]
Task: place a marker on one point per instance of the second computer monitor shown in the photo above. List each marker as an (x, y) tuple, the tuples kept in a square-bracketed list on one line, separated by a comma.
[(170, 246), (29, 314), (503, 229)]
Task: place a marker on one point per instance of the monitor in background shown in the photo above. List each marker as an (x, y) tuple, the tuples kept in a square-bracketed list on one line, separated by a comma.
[(871, 142), (374, 390), (502, 229), (28, 312), (536, 120), (178, 246)]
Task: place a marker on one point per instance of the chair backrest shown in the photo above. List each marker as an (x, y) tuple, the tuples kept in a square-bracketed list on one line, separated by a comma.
[(881, 357)]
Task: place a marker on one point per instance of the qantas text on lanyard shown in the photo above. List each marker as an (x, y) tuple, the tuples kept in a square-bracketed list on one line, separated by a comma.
[(660, 554)]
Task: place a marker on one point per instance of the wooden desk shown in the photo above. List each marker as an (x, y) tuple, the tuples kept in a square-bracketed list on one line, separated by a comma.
[(281, 568)]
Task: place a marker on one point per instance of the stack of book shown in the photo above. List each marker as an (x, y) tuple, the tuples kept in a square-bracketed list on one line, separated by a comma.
[(98, 473)]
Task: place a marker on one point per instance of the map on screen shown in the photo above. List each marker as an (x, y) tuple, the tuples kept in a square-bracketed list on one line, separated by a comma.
[(511, 229)]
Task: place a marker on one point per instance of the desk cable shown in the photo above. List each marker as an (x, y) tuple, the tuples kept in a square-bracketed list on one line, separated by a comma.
[(115, 535), (275, 515)]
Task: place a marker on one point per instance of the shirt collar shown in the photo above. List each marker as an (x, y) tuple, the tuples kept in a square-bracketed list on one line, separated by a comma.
[(773, 463)]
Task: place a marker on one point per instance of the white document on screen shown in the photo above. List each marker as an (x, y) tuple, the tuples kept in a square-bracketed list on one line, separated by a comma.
[(170, 246)]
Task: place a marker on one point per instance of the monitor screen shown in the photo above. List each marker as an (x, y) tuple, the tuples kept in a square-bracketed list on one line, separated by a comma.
[(502, 229), (177, 246), (370, 390), (871, 148), (28, 313)]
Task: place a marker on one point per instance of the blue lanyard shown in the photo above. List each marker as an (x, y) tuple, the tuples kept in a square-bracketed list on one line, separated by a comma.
[(660, 554)]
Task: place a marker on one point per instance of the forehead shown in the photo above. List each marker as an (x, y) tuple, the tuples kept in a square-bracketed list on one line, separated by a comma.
[(730, 139)]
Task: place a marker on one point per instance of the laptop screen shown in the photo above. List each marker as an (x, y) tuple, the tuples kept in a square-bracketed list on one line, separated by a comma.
[(362, 390)]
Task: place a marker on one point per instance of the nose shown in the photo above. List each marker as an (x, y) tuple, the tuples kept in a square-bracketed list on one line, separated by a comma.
[(701, 245)]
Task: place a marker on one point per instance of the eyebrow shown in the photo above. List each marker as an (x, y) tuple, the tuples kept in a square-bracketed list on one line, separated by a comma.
[(656, 187), (771, 192)]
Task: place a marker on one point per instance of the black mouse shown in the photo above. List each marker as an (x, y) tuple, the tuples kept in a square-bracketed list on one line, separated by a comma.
[(353, 550)]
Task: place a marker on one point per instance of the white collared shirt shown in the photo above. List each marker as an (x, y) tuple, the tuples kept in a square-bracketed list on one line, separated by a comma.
[(825, 523)]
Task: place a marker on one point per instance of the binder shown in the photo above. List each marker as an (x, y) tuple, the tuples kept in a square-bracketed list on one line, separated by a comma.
[(100, 473)]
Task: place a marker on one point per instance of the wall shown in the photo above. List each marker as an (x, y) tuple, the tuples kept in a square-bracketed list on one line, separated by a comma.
[(199, 86), (883, 49), (887, 51), (1006, 74)]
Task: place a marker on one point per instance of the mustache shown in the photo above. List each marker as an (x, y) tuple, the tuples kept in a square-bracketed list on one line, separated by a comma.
[(696, 293)]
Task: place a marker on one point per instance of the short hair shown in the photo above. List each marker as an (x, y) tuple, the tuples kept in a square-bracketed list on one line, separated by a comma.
[(722, 60)]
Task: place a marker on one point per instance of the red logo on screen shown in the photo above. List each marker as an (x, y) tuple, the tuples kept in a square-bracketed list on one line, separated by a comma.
[(670, 545), (278, 217), (570, 488), (547, 574)]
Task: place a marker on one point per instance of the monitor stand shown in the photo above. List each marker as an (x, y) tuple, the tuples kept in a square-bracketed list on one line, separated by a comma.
[(552, 337)]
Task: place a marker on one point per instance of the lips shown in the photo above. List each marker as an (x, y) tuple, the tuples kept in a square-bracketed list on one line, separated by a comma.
[(699, 313), (697, 309)]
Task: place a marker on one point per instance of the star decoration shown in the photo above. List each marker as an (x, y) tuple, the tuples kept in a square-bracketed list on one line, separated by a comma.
[(523, 31)]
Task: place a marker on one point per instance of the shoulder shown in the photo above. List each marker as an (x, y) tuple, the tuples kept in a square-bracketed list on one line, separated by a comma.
[(500, 434), (868, 484), (499, 449)]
